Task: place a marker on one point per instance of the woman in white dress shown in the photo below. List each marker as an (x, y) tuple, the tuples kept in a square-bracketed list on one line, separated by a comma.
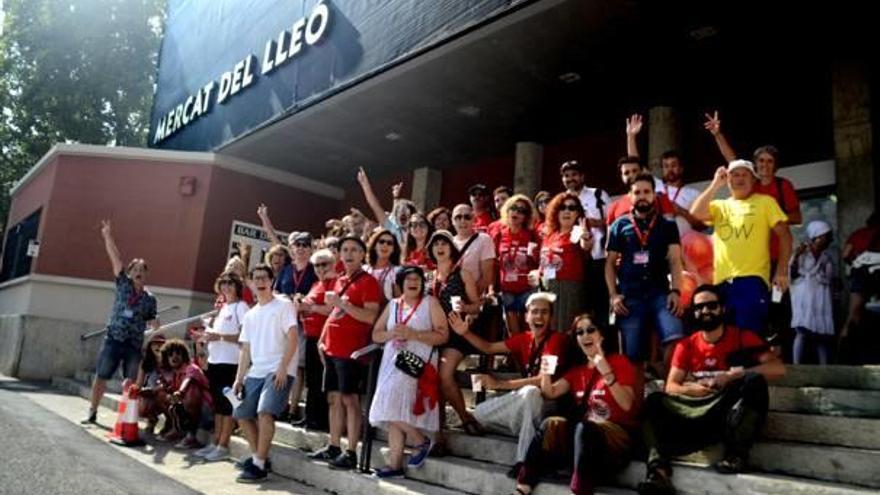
[(416, 323), (812, 314)]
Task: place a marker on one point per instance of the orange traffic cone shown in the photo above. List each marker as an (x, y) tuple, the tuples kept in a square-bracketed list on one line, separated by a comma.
[(126, 432)]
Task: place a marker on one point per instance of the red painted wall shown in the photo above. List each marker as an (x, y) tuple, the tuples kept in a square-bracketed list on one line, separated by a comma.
[(30, 198)]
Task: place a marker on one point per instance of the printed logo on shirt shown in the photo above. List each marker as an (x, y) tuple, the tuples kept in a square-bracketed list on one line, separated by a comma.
[(710, 362), (599, 410)]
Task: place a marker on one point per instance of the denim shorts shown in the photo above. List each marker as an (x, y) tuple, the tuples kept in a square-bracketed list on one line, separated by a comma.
[(261, 397), (515, 302), (112, 353), (647, 311)]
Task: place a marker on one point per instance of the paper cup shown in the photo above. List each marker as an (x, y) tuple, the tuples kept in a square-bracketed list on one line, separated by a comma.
[(455, 301), (477, 383), (231, 397), (329, 295), (533, 246), (548, 363), (776, 296)]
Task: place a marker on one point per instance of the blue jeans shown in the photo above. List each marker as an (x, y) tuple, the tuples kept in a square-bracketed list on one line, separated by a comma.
[(644, 310), (112, 353), (747, 301)]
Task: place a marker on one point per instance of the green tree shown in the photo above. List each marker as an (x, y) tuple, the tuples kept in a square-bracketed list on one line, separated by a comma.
[(73, 71)]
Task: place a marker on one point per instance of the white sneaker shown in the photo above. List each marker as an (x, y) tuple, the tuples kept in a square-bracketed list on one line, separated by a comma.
[(204, 451), (218, 454)]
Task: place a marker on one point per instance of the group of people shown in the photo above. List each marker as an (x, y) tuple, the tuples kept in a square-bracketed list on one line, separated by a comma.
[(579, 292)]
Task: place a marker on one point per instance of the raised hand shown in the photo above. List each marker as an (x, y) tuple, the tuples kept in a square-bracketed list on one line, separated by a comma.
[(105, 228), (713, 123), (720, 177), (634, 125), (262, 211), (362, 176), (396, 189)]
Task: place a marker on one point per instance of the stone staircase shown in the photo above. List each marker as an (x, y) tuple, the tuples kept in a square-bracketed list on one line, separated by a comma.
[(822, 437)]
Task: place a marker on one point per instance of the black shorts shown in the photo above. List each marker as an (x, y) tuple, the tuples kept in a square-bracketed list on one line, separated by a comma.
[(345, 376), (221, 376)]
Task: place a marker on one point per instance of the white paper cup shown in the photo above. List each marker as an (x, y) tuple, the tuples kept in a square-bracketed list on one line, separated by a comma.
[(329, 295), (477, 383), (548, 363), (231, 397), (533, 246), (455, 301), (776, 296)]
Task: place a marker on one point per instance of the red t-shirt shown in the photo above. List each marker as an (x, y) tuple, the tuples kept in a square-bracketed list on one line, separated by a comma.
[(494, 228), (344, 333), (788, 202), (523, 345), (513, 257), (561, 258), (864, 239), (197, 378), (482, 221), (623, 205), (340, 267), (694, 354), (313, 323), (588, 388), (419, 257)]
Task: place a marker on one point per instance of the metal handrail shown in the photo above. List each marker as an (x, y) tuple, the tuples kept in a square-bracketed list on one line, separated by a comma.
[(96, 333)]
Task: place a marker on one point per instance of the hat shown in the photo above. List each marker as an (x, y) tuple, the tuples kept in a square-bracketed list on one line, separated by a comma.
[(157, 338), (440, 234), (360, 242), (817, 228), (481, 188), (742, 164), (299, 237), (571, 165), (541, 296)]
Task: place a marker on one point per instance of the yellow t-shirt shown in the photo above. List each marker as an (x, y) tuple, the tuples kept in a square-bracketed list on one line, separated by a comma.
[(742, 236)]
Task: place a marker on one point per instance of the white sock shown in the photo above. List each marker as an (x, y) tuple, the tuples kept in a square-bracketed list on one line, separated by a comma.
[(260, 463)]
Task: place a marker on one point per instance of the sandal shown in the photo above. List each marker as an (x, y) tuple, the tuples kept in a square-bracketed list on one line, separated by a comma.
[(520, 491), (473, 428)]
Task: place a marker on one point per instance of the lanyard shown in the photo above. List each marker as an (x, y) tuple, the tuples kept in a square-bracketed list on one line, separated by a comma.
[(642, 236), (677, 192), (134, 298), (400, 319), (297, 280)]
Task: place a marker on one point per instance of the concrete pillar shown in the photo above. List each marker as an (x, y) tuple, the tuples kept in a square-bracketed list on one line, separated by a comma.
[(426, 188), (854, 167), (663, 135), (529, 165)]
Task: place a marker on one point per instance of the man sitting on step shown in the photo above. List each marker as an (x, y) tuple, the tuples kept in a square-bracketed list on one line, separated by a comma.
[(517, 412), (716, 391)]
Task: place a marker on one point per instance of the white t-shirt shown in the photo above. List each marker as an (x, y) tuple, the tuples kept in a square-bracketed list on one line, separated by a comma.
[(480, 250), (588, 201), (265, 328), (684, 197), (227, 322)]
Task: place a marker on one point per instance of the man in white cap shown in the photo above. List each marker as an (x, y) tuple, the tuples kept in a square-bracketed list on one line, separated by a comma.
[(812, 311), (517, 412), (742, 226)]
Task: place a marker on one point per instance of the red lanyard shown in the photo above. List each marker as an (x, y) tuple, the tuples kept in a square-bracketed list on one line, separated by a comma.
[(134, 298), (382, 278), (677, 192), (400, 319), (297, 280), (643, 236)]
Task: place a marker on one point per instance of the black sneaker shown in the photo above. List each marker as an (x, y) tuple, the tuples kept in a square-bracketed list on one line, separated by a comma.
[(248, 460), (345, 461), (732, 464), (657, 482), (327, 454), (252, 474), (91, 419)]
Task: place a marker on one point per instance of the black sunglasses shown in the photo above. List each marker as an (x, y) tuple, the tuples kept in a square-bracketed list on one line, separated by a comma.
[(570, 207), (519, 209), (589, 329), (322, 264), (302, 244), (418, 225), (387, 242), (462, 217), (711, 306)]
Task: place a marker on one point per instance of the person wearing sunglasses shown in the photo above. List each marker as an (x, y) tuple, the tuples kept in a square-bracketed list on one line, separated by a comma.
[(716, 392), (517, 248), (567, 243), (383, 258), (597, 441), (313, 313), (643, 253), (477, 249), (542, 199), (415, 251), (480, 200)]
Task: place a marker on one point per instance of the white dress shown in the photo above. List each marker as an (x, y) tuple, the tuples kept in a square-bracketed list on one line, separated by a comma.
[(811, 305), (396, 391)]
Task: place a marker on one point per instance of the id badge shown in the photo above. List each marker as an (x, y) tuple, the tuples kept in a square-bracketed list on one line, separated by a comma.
[(128, 313), (641, 257), (550, 273), (511, 276)]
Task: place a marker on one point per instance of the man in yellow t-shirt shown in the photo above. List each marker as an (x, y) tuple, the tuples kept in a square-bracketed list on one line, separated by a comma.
[(742, 226)]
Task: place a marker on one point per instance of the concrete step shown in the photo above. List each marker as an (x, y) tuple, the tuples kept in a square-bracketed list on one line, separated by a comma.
[(481, 462), (826, 401), (831, 376), (840, 431)]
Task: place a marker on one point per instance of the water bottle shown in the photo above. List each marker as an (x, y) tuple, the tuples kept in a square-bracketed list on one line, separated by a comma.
[(231, 397)]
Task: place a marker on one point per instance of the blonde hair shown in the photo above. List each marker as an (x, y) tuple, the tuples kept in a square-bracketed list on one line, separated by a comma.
[(276, 249), (513, 200)]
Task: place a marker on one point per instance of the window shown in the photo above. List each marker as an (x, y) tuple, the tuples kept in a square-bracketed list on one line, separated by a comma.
[(16, 262)]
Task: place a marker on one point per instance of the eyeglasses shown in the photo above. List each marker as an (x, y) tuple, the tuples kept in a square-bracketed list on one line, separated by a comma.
[(519, 209), (570, 207), (302, 244), (419, 225), (387, 242), (322, 264), (463, 216), (256, 278), (590, 329), (711, 306)]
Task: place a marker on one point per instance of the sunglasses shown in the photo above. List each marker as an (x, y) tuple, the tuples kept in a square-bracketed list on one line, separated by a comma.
[(519, 209), (332, 245), (418, 225), (711, 306), (302, 244), (463, 217), (322, 264), (570, 207), (257, 278), (588, 330), (387, 242)]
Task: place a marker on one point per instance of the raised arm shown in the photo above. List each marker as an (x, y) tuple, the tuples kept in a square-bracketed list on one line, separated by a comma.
[(700, 206), (263, 213), (461, 327), (633, 127), (713, 125), (370, 196), (110, 247)]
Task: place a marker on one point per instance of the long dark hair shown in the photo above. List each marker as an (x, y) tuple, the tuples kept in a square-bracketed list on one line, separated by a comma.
[(373, 255)]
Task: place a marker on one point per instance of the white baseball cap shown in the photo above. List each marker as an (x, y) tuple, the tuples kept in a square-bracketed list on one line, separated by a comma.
[(742, 164)]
